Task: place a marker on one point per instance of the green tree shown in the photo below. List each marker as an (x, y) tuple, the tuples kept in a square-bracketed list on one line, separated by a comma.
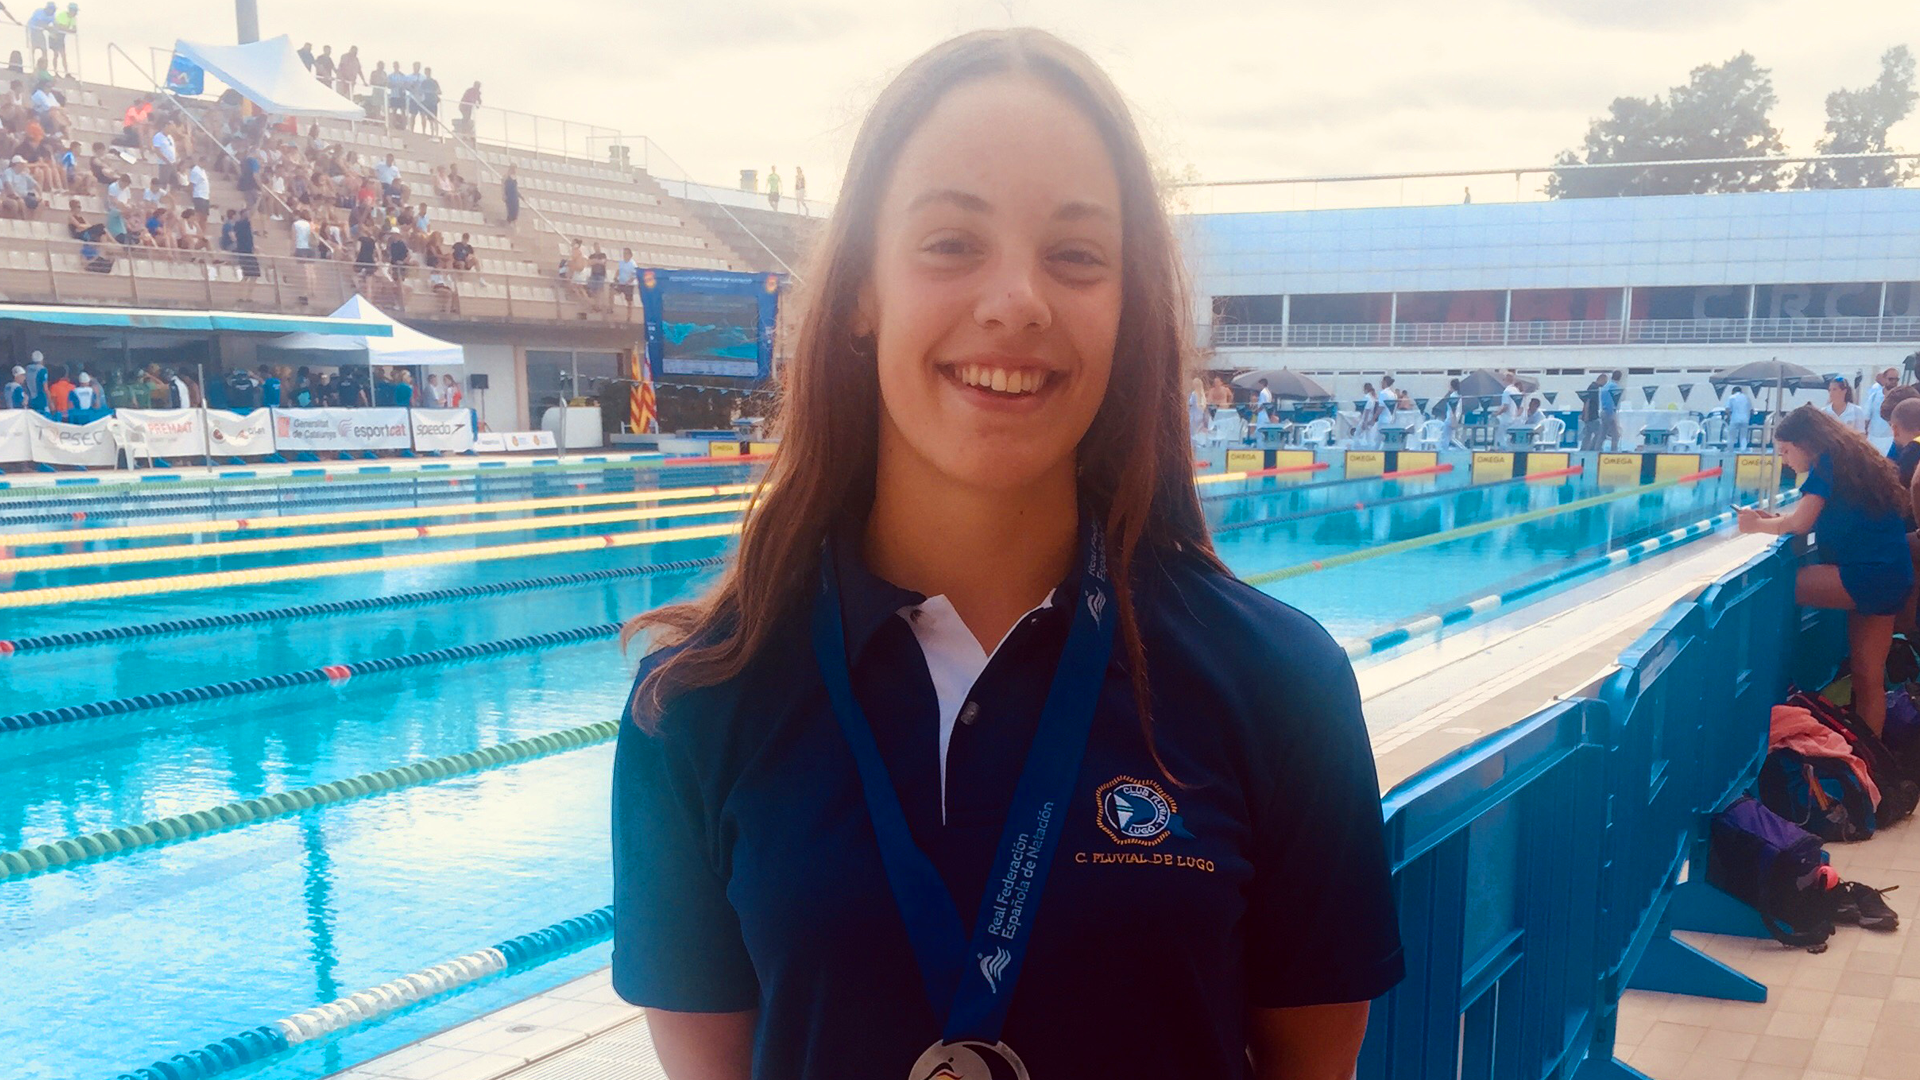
[(1857, 123), (1721, 112)]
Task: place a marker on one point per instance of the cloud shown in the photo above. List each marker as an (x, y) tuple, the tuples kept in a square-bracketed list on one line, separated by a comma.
[(1643, 15)]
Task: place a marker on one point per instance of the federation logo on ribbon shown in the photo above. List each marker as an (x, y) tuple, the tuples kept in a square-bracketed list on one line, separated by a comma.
[(1133, 811), (992, 967)]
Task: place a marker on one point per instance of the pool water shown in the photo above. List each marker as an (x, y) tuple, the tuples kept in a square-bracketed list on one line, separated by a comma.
[(115, 964)]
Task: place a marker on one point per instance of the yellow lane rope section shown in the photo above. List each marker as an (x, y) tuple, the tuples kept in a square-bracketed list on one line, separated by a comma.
[(347, 517), (90, 559), (64, 594)]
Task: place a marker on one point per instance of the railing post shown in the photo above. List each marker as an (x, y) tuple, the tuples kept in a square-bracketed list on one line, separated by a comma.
[(53, 277), (133, 278), (207, 274)]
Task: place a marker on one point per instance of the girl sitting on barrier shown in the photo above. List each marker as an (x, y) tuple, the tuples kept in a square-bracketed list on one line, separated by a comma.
[(1851, 499)]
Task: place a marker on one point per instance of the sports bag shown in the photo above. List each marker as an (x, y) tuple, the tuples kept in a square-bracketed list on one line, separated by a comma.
[(1899, 787), (1774, 867), (1821, 795)]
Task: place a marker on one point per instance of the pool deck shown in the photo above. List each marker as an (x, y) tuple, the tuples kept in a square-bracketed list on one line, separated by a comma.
[(1421, 703)]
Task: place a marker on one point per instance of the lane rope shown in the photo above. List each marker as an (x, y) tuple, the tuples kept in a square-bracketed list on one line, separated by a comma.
[(349, 517), (257, 1044), (259, 684), (407, 534), (1254, 474), (1348, 558), (1285, 489), (108, 843), (1325, 511)]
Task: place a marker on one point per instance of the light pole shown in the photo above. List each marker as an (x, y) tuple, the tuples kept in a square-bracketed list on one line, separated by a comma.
[(246, 15)]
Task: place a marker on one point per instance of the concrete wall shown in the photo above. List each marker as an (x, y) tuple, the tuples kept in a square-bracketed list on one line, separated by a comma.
[(503, 404)]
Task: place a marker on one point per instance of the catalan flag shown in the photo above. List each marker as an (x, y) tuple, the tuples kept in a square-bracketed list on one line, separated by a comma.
[(644, 413)]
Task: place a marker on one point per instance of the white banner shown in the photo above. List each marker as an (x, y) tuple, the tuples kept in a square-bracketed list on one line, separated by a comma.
[(441, 429), (240, 435), (341, 429), (487, 442), (531, 440), (170, 433), (72, 444), (15, 442)]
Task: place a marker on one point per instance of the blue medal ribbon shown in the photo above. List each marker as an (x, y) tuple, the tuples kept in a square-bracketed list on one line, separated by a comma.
[(970, 981)]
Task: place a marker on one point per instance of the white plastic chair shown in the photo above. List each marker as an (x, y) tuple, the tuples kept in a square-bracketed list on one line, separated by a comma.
[(1318, 433), (1686, 435), (1432, 434), (1227, 427), (1552, 430)]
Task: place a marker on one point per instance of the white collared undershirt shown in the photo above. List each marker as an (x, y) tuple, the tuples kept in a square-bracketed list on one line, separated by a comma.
[(955, 660)]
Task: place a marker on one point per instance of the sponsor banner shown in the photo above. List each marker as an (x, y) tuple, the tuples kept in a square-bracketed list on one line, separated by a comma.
[(1749, 470), (449, 430), (490, 442), (723, 449), (1537, 462), (1246, 460), (758, 448), (1619, 468), (233, 434), (1491, 465), (1292, 459), (1414, 459), (341, 429), (531, 440), (16, 442), (1365, 463), (73, 444), (1669, 466), (168, 433)]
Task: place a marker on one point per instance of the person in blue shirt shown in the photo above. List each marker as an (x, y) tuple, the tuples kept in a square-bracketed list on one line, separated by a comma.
[(1852, 501), (403, 389), (970, 764), (269, 387), (15, 391)]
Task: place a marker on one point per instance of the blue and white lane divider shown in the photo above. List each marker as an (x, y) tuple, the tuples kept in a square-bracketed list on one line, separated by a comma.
[(1433, 624), (256, 1044)]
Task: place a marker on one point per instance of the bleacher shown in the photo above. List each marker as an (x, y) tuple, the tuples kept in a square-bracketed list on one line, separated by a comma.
[(603, 205)]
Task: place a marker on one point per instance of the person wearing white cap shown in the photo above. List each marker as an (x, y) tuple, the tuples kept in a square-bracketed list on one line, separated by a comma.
[(16, 390), (19, 193), (85, 396), (37, 381)]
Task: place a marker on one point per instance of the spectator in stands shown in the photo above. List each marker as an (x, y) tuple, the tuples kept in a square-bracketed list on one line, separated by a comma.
[(136, 124), (388, 173), (469, 101), (19, 193), (73, 179), (377, 91), (59, 394), (192, 232), (119, 203), (39, 30), (466, 192), (773, 186), (79, 228), (399, 258), (1852, 500), (101, 167), (152, 196), (626, 278), (40, 160), (348, 74), (511, 186), (65, 25), (164, 149), (323, 66), (427, 89), (305, 53), (463, 258), (199, 187), (49, 108), (597, 294), (800, 188), (399, 90), (576, 270), (16, 389), (243, 249)]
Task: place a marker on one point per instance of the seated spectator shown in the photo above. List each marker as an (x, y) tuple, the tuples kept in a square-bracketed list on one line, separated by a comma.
[(466, 192), (136, 125), (192, 235), (101, 167), (15, 109), (76, 181), (19, 193), (80, 228), (442, 184), (388, 173), (463, 258), (49, 108), (40, 160), (1851, 499)]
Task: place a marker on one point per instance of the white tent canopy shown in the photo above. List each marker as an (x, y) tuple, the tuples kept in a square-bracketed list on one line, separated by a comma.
[(269, 74), (407, 347)]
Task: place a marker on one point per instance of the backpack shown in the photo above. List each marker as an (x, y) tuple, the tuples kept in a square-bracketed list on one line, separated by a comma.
[(1821, 795), (1899, 788), (1774, 867)]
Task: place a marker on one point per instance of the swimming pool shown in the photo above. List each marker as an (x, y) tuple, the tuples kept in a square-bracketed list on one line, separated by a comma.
[(125, 960)]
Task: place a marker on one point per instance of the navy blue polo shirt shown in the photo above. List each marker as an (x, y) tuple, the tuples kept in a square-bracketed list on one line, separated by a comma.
[(746, 875)]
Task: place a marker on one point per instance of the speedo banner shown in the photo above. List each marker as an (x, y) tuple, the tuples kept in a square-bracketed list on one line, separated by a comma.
[(55, 443), (341, 429), (16, 443), (442, 429)]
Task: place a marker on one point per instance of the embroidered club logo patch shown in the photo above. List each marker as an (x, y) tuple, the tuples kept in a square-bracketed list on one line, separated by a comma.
[(1136, 811)]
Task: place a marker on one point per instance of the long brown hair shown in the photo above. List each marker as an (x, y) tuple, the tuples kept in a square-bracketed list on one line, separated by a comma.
[(1135, 460), (1860, 473)]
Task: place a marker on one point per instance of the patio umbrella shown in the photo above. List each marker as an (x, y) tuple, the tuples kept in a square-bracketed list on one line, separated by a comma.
[(1781, 376), (1285, 384)]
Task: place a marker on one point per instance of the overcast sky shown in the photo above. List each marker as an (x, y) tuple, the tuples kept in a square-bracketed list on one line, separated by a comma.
[(1231, 89)]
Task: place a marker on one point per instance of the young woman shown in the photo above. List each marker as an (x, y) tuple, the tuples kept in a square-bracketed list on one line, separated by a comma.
[(1841, 407), (1852, 501), (967, 762)]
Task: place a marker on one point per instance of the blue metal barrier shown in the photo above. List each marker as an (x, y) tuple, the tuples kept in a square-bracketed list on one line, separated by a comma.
[(1539, 871)]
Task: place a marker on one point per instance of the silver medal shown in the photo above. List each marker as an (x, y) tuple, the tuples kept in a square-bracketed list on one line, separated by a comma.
[(969, 1060)]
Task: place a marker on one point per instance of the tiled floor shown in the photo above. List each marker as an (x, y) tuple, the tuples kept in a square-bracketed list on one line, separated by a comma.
[(1850, 1013)]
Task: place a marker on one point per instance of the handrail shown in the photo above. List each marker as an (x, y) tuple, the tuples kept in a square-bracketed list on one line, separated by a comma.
[(798, 280)]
